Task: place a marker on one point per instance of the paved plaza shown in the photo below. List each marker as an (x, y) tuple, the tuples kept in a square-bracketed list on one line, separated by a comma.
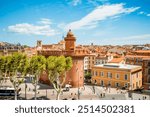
[(88, 92)]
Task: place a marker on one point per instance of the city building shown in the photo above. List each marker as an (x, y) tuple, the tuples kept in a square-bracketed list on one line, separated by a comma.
[(146, 73), (75, 76), (120, 60), (90, 61), (140, 57), (117, 75), (8, 49), (30, 51), (101, 60)]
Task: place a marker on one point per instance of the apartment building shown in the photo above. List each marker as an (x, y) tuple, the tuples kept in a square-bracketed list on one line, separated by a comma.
[(117, 75), (8, 49), (146, 73), (141, 57), (89, 62)]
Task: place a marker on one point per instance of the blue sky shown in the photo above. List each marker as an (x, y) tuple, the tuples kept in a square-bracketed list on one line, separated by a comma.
[(101, 22)]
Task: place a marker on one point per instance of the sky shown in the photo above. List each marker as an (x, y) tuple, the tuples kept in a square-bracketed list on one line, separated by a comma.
[(101, 22)]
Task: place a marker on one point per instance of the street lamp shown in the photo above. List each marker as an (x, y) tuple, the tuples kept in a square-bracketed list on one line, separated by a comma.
[(130, 92), (78, 84), (25, 88), (16, 90)]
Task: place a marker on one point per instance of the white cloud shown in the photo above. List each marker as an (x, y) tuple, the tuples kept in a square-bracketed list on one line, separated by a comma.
[(97, 2), (100, 13), (76, 2), (148, 15), (141, 12), (45, 21), (25, 28), (135, 37), (144, 13)]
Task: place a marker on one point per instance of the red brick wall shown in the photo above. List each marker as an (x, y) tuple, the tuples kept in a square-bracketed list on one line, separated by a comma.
[(76, 73)]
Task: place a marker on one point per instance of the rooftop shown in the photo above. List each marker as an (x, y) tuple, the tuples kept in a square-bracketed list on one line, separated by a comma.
[(136, 56), (142, 51), (116, 60), (119, 66)]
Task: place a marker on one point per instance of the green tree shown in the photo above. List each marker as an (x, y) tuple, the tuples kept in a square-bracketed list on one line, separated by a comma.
[(18, 66), (36, 66), (87, 76), (2, 62), (57, 68), (5, 62)]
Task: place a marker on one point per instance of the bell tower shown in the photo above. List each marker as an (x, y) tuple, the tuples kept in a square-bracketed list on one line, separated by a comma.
[(70, 40), (39, 45)]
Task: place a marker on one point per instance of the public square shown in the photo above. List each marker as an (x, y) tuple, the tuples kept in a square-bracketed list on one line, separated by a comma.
[(88, 92)]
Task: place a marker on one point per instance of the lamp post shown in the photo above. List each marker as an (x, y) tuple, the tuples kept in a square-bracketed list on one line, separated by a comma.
[(16, 90), (130, 92), (78, 84), (25, 88)]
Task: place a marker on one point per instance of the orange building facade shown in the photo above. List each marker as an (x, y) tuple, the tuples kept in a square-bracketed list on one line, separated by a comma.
[(142, 58), (117, 76)]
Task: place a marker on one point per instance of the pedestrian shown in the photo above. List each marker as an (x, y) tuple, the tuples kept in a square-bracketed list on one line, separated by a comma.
[(101, 95), (145, 97), (53, 92)]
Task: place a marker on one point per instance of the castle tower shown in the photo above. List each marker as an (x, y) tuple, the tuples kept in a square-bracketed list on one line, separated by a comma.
[(70, 40), (39, 45)]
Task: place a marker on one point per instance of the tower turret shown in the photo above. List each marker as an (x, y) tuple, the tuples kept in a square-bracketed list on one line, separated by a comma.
[(70, 40)]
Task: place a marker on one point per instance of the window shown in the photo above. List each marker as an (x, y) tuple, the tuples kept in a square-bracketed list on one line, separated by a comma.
[(148, 71), (95, 73), (148, 63), (126, 85), (109, 83), (133, 86), (139, 82), (109, 75), (101, 74), (102, 83), (125, 77), (117, 84), (117, 76), (137, 75)]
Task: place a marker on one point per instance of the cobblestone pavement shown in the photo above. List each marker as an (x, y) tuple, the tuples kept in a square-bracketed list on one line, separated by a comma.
[(88, 92)]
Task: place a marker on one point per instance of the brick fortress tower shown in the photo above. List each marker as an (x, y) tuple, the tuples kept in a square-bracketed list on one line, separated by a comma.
[(75, 76)]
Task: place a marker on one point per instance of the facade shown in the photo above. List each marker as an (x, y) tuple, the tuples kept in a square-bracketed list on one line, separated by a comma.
[(75, 76), (141, 57), (8, 49), (30, 51), (101, 60), (146, 73), (118, 76), (86, 63), (89, 62)]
